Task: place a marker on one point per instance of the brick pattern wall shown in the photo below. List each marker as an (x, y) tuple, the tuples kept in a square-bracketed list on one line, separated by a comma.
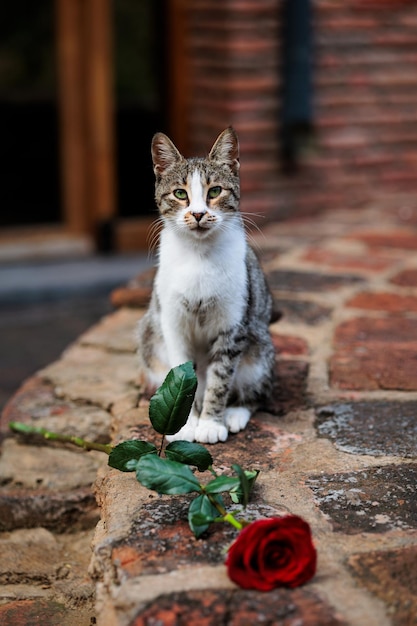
[(234, 80), (365, 100)]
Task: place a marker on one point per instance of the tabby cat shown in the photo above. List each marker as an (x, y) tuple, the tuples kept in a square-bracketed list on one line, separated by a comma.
[(210, 302)]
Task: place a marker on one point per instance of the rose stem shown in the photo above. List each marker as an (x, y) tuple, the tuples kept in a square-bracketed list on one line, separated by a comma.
[(18, 427), (227, 517)]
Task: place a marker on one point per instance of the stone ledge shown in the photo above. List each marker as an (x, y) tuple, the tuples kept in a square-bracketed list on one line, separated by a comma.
[(331, 469)]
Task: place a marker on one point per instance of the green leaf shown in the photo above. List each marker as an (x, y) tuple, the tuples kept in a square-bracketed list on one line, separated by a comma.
[(165, 476), (202, 512), (243, 488), (190, 454), (125, 455), (222, 483), (242, 493), (170, 406)]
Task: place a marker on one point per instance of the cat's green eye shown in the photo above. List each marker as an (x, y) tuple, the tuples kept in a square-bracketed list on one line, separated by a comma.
[(180, 194), (214, 192)]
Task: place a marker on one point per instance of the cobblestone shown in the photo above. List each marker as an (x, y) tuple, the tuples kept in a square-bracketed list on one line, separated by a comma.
[(378, 427), (391, 576), (337, 445), (372, 500)]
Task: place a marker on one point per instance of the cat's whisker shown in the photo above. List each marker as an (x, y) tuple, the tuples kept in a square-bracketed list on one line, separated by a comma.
[(153, 235), (251, 213), (251, 226), (249, 221)]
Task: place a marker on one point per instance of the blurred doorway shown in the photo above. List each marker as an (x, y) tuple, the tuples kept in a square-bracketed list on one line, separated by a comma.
[(82, 87), (29, 163)]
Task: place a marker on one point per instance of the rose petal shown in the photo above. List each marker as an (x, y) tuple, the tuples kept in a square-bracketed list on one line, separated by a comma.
[(272, 552)]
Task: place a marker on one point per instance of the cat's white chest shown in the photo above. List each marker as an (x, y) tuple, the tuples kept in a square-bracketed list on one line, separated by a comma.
[(215, 282)]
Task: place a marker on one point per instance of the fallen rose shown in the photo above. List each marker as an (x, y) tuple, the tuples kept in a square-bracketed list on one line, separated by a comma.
[(275, 552)]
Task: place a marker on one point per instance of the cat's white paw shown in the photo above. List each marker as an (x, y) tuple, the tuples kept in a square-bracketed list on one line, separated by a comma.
[(187, 432), (210, 431), (237, 418)]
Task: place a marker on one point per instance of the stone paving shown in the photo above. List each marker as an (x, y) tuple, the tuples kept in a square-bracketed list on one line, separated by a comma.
[(338, 447)]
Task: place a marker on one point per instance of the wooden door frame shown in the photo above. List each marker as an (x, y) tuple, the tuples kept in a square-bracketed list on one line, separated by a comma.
[(86, 112)]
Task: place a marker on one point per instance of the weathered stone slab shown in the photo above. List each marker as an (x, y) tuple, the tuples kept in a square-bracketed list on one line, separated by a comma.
[(115, 332), (160, 539), (20, 613), (29, 555), (90, 374), (59, 511), (45, 612), (373, 500), (53, 467), (47, 486), (239, 608), (377, 427), (36, 404), (49, 569), (391, 575)]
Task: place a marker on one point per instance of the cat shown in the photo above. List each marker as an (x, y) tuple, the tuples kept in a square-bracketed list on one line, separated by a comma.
[(210, 302)]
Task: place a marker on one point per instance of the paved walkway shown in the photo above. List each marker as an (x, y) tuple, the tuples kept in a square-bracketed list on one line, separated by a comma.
[(338, 448)]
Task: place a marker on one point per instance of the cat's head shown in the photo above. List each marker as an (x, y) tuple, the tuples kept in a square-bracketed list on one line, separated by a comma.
[(198, 195)]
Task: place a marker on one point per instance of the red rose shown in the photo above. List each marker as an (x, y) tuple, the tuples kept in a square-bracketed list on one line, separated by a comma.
[(269, 553)]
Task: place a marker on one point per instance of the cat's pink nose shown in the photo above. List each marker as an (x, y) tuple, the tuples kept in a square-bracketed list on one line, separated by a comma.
[(198, 216)]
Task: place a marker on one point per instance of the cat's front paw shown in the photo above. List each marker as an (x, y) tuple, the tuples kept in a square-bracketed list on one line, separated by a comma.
[(187, 432), (210, 431), (237, 418)]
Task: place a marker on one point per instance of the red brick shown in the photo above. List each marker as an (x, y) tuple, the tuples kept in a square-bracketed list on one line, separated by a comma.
[(406, 278), (58, 511), (375, 262), (375, 354), (375, 368), (289, 346), (385, 301), (137, 293), (400, 239), (401, 176), (366, 330), (238, 608), (351, 22), (135, 297)]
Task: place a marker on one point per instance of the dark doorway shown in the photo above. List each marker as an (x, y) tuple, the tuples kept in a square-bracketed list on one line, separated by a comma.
[(140, 78), (30, 191), (29, 151)]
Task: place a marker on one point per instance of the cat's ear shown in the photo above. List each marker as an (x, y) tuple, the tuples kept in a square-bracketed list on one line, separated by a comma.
[(226, 149), (164, 154)]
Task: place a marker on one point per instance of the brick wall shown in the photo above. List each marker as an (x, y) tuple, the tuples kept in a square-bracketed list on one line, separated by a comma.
[(365, 86), (234, 80)]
